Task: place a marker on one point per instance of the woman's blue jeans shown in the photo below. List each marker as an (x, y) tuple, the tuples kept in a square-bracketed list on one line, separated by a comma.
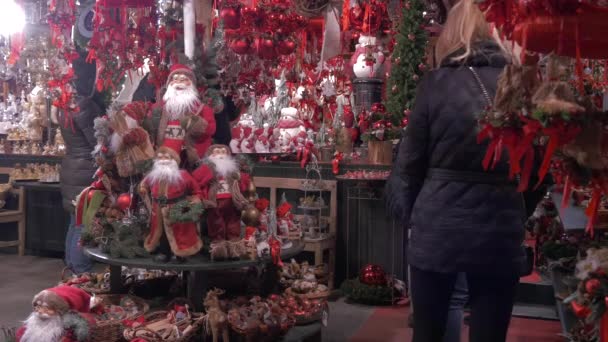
[(75, 259), (456, 310)]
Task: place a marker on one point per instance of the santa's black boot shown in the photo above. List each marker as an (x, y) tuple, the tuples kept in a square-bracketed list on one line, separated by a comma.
[(163, 251)]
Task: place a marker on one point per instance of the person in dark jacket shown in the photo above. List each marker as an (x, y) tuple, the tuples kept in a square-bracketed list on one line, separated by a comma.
[(78, 166), (462, 218), (223, 133)]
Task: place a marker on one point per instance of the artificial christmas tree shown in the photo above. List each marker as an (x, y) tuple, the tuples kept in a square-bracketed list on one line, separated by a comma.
[(407, 61)]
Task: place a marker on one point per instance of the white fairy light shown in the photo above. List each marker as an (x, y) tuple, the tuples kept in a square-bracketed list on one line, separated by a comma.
[(12, 18)]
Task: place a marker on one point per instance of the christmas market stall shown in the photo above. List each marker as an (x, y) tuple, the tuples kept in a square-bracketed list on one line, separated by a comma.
[(226, 156)]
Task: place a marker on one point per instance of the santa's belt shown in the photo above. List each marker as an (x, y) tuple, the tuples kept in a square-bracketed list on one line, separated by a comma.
[(163, 200)]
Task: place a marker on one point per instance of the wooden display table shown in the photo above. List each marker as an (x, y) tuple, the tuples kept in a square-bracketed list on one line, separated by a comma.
[(195, 269)]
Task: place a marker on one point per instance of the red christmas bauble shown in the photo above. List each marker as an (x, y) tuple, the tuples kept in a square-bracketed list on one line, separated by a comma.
[(407, 112), (592, 285), (286, 47), (378, 124), (249, 15), (123, 202), (372, 275), (98, 184), (405, 122), (266, 48), (240, 46), (231, 17)]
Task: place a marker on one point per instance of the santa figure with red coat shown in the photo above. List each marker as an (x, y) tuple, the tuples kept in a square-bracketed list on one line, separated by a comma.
[(61, 314), (162, 188), (222, 185), (186, 124)]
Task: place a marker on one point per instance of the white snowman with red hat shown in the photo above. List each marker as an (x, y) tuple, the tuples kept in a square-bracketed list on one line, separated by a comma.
[(60, 314), (289, 126)]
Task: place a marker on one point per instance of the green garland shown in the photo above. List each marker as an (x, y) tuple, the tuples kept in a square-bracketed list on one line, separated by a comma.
[(185, 211), (366, 294)]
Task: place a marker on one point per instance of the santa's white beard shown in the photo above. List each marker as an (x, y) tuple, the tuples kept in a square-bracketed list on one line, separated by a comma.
[(224, 165), (164, 170), (42, 328), (180, 101)]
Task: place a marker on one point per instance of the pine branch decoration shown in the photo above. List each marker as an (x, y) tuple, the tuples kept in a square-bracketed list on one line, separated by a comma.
[(408, 61)]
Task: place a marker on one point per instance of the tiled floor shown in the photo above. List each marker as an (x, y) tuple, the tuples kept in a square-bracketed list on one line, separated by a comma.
[(388, 324), (21, 278)]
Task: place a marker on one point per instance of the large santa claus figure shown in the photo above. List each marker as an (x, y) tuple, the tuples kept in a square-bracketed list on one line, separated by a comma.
[(186, 124), (163, 187), (61, 314), (222, 186)]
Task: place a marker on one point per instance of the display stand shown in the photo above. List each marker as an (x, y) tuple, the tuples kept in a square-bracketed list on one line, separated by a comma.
[(195, 269), (318, 247)]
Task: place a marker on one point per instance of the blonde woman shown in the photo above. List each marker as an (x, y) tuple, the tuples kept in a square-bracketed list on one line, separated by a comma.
[(463, 220)]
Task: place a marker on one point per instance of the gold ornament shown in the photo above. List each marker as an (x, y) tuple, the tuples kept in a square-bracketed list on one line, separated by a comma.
[(251, 193), (251, 216)]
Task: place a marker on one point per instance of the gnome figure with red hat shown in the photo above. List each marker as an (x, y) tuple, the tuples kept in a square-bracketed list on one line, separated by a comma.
[(222, 186), (186, 124), (162, 188), (61, 314)]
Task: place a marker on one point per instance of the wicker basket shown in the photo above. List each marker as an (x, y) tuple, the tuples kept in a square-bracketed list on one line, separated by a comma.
[(156, 328), (318, 295), (112, 330), (263, 333), (88, 287)]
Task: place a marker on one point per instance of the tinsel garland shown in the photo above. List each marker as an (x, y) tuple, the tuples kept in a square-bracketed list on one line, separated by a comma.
[(366, 294), (185, 211)]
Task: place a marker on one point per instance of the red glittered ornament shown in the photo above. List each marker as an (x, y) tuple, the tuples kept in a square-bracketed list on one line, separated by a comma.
[(123, 202), (378, 108), (266, 48), (286, 47), (372, 275), (240, 46), (231, 18)]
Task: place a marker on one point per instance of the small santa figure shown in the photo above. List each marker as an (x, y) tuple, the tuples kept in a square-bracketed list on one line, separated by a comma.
[(164, 186), (261, 144), (222, 186), (248, 141), (186, 124), (61, 314), (262, 205), (237, 138), (285, 219)]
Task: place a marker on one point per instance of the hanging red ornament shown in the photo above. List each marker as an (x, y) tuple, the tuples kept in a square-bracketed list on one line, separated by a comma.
[(241, 46), (349, 117), (405, 122), (411, 36), (372, 275), (415, 77), (266, 48), (407, 112), (286, 46), (249, 15), (124, 201), (231, 16), (422, 66)]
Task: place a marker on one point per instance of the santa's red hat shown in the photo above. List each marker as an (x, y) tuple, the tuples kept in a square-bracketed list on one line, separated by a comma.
[(262, 204), (283, 209), (64, 298), (247, 131), (181, 69)]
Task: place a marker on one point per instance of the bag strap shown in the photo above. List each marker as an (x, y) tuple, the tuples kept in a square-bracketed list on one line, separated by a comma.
[(482, 87)]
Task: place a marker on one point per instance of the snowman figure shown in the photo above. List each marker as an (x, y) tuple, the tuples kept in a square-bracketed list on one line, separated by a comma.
[(289, 127), (368, 58)]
